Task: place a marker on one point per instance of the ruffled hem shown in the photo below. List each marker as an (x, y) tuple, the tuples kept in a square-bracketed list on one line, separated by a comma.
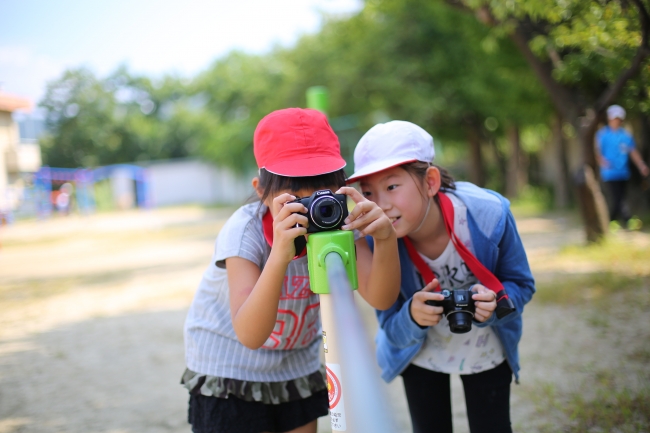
[(265, 392)]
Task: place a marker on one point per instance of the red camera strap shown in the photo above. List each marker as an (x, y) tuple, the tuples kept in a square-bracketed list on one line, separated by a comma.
[(486, 277), (267, 226)]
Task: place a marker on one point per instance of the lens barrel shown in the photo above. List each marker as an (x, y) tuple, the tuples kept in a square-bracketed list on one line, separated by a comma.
[(326, 212), (460, 322)]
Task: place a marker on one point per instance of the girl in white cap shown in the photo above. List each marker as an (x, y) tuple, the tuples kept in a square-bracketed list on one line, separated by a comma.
[(456, 241), (252, 334)]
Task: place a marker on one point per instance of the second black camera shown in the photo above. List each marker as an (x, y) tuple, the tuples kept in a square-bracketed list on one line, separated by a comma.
[(458, 307)]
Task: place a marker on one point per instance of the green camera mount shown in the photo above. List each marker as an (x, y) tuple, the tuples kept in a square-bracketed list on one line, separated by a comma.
[(319, 245)]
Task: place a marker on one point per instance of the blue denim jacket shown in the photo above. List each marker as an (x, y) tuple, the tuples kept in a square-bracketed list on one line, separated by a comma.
[(497, 245)]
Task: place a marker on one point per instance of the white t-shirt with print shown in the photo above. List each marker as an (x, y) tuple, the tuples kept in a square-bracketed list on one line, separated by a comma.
[(443, 351)]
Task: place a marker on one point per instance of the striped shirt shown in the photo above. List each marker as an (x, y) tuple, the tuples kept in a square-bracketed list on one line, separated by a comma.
[(211, 345)]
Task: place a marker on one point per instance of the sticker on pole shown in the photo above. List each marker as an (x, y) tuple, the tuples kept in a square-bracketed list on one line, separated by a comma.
[(335, 395)]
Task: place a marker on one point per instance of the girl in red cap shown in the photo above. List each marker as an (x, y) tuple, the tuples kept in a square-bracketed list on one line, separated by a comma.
[(252, 335)]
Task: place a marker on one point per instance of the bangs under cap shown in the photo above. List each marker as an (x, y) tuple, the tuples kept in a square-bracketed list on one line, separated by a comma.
[(297, 142), (391, 144)]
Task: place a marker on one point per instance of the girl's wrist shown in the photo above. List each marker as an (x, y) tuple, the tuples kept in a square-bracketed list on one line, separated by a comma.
[(278, 258), (392, 237)]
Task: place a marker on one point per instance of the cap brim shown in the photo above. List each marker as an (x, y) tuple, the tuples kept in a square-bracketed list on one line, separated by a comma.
[(377, 167), (307, 167)]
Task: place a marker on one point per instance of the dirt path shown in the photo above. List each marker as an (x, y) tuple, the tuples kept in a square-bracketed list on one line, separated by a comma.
[(92, 311)]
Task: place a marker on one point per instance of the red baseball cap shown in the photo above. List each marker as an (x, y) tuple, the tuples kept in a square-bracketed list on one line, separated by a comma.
[(297, 142)]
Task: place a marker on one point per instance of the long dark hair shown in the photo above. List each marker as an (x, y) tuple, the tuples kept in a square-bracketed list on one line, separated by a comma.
[(418, 169), (271, 183)]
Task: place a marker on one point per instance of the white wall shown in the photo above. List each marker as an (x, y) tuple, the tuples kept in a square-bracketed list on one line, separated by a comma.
[(194, 181)]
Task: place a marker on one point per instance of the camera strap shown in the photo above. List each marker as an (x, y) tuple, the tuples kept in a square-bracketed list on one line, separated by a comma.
[(267, 227), (487, 278)]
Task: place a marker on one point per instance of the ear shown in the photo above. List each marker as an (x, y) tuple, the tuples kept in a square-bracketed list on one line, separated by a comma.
[(256, 186), (433, 181)]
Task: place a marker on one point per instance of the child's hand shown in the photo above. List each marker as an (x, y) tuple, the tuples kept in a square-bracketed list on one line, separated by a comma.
[(486, 302), (285, 226), (423, 314), (366, 216)]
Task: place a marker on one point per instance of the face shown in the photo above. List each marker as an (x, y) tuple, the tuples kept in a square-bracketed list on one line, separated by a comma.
[(615, 123), (402, 197)]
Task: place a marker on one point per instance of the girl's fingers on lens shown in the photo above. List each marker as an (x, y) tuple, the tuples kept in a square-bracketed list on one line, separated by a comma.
[(364, 217), (355, 195), (359, 210), (358, 224)]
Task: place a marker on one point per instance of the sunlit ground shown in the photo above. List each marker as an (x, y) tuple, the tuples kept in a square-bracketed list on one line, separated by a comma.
[(92, 310)]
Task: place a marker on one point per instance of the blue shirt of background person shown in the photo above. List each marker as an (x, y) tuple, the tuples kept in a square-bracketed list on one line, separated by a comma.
[(615, 145)]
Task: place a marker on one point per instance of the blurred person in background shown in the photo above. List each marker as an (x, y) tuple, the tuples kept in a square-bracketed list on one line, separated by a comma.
[(614, 147)]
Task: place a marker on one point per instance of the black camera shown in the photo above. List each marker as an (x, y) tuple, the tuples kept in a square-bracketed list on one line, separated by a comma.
[(325, 210), (458, 306)]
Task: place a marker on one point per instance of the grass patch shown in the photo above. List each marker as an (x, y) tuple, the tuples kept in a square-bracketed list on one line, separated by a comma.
[(612, 255), (595, 290), (600, 407), (623, 276), (610, 411)]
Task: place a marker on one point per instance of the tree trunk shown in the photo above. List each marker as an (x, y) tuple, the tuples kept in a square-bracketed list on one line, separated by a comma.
[(592, 204), (561, 178), (517, 173), (499, 181), (476, 173)]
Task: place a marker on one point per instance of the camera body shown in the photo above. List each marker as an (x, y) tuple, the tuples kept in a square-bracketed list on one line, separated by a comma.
[(458, 307), (325, 210)]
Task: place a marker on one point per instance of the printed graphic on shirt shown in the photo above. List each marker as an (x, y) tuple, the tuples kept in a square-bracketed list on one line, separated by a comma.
[(298, 289), (290, 328), (444, 351)]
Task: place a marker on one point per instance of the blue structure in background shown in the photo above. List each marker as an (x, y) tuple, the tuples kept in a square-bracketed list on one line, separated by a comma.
[(84, 180)]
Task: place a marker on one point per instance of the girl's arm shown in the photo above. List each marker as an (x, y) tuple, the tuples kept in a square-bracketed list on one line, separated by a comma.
[(254, 293), (378, 272)]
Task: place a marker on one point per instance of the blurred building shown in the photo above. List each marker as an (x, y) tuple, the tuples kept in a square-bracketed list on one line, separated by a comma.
[(17, 158), (183, 181)]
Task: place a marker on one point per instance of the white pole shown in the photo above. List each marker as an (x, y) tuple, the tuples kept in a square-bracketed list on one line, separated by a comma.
[(357, 402)]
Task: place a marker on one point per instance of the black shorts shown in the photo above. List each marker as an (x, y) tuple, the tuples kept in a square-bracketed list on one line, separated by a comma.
[(233, 415)]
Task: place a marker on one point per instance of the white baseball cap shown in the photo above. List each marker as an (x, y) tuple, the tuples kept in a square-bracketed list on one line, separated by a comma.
[(390, 144), (615, 111)]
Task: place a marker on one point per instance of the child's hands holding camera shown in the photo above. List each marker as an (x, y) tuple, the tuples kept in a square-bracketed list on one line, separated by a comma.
[(486, 302), (366, 216), (288, 224), (422, 313)]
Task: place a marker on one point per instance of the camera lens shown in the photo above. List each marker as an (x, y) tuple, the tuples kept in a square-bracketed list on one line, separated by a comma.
[(326, 212), (460, 322)]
